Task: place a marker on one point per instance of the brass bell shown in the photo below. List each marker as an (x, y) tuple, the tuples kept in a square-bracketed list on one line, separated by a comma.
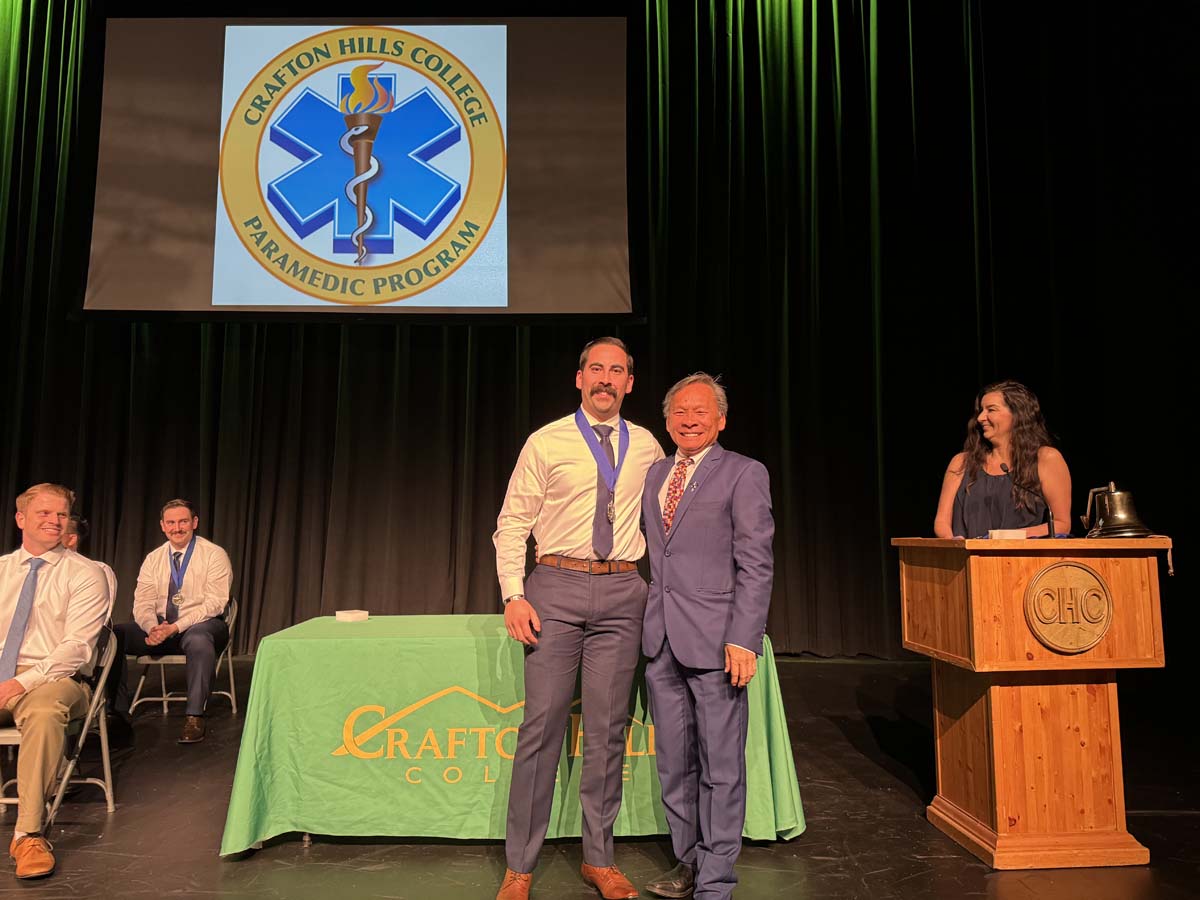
[(1115, 515)]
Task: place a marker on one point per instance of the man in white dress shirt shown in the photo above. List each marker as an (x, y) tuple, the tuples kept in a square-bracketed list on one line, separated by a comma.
[(53, 603), (182, 591), (73, 537), (76, 534), (577, 487)]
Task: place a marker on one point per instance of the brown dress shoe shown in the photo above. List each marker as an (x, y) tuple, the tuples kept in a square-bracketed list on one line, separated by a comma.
[(609, 881), (515, 885), (193, 730), (33, 856)]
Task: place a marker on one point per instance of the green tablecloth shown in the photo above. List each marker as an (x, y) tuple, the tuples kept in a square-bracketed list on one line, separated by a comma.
[(406, 725)]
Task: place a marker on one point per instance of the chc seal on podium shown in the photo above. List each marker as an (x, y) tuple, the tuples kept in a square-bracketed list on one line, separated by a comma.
[(1068, 607)]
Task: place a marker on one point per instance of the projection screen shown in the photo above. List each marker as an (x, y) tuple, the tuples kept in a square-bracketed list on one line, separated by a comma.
[(305, 167)]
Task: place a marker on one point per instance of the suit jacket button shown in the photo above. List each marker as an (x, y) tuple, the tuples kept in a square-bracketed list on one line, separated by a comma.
[(668, 553), (667, 589)]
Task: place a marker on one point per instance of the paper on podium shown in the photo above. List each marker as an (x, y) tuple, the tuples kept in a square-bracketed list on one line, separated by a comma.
[(1007, 534), (351, 615)]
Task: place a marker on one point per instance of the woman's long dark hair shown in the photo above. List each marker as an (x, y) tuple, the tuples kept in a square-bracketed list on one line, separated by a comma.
[(1029, 435)]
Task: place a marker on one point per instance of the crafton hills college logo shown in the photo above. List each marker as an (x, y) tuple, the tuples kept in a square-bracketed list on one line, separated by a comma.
[(363, 165), (370, 732)]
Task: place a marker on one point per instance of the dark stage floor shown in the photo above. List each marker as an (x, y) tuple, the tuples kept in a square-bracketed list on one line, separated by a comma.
[(864, 754)]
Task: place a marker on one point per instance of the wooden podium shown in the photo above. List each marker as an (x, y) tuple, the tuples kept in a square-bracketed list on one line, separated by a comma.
[(1025, 636)]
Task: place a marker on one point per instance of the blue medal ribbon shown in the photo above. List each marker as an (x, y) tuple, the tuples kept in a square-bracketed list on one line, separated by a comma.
[(607, 472)]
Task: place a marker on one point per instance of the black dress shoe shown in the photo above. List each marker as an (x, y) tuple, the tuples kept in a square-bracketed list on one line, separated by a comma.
[(676, 883)]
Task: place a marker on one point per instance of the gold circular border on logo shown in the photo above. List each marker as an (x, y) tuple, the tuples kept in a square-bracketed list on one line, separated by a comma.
[(1031, 616), (241, 143)]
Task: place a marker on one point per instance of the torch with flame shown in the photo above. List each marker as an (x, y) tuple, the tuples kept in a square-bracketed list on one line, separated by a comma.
[(363, 109)]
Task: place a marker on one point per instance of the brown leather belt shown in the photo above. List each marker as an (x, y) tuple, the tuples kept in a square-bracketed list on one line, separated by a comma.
[(591, 566)]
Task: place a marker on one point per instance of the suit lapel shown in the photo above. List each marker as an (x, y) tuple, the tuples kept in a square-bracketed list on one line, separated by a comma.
[(654, 483), (703, 473)]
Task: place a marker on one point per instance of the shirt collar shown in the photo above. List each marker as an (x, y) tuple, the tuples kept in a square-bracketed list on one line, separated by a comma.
[(696, 458), (615, 421), (172, 549), (50, 557)]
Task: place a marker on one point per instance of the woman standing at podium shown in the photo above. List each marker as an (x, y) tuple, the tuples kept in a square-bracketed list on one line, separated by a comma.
[(1007, 473)]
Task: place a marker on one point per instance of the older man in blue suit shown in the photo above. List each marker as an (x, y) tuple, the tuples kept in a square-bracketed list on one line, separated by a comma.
[(707, 516)]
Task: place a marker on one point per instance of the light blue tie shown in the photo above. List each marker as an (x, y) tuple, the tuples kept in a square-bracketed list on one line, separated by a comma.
[(20, 621)]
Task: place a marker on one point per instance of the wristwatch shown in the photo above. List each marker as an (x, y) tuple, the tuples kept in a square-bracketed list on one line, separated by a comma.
[(508, 600)]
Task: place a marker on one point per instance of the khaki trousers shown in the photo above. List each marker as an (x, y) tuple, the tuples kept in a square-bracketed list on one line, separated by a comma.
[(41, 715)]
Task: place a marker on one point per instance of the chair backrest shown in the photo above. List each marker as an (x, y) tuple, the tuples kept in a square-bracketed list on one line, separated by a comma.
[(102, 660), (102, 663), (231, 611), (91, 669)]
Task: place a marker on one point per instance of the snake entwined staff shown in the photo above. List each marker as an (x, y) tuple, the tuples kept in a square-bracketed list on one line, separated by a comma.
[(363, 109)]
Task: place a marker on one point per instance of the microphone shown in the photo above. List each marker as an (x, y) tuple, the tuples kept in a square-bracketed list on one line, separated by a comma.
[(1048, 518)]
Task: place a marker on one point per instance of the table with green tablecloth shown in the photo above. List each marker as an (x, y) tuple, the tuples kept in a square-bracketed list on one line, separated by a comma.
[(406, 726)]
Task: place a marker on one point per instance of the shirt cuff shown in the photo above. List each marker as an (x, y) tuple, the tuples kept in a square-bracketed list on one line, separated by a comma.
[(511, 584), (30, 679), (740, 647)]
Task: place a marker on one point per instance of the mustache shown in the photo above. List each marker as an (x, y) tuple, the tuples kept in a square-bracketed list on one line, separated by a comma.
[(605, 389)]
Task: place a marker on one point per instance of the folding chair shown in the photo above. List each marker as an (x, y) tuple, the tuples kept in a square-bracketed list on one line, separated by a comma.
[(178, 659), (95, 720)]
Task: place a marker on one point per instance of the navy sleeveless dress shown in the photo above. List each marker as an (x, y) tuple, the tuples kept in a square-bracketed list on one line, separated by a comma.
[(989, 504)]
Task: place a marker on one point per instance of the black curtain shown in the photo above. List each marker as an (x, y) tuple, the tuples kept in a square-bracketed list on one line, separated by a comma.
[(856, 212)]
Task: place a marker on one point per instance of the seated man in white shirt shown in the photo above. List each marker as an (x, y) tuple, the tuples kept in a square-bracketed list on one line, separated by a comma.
[(53, 603), (182, 591), (75, 535)]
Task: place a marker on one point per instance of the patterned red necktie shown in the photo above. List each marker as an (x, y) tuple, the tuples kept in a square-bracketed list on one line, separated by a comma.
[(675, 492)]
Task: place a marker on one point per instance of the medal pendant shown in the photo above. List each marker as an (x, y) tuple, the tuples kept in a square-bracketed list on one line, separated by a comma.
[(612, 511)]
